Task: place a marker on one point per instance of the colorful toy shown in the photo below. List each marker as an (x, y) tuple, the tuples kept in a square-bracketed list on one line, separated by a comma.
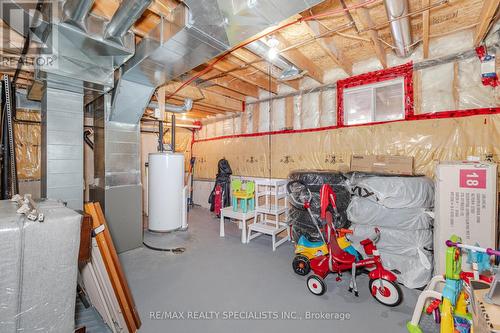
[(305, 249), (382, 285), (450, 306), (243, 194)]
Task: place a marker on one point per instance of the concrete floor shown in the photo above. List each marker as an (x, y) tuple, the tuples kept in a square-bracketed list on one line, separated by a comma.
[(224, 276)]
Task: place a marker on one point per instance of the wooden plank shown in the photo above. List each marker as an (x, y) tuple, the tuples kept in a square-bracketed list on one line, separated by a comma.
[(367, 22), (226, 92), (487, 12), (246, 74), (117, 263), (260, 64), (289, 112), (204, 96), (328, 45), (300, 60), (128, 313), (236, 85), (425, 28)]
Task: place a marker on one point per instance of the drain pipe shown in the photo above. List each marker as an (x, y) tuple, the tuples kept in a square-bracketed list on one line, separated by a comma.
[(172, 139), (397, 12)]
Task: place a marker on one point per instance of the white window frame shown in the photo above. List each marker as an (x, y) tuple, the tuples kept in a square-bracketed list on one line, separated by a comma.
[(372, 87)]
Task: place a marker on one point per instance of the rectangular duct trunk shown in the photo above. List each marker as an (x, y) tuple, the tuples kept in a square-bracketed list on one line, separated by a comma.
[(117, 182), (62, 144)]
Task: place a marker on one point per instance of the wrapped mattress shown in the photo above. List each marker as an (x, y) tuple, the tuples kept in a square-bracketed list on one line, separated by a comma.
[(409, 254), (363, 211), (38, 269), (395, 192)]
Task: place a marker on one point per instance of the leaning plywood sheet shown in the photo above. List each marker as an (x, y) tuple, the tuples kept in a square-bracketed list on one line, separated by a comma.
[(38, 269), (113, 267)]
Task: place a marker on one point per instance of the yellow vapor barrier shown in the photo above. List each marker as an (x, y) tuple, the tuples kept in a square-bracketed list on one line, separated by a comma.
[(27, 138), (428, 141)]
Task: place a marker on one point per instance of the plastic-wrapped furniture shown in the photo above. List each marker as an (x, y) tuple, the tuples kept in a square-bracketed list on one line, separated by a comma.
[(38, 269)]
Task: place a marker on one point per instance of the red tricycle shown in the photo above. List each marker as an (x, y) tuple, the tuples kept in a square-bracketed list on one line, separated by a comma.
[(383, 285)]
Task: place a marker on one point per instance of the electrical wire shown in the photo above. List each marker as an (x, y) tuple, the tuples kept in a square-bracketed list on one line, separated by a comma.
[(175, 250)]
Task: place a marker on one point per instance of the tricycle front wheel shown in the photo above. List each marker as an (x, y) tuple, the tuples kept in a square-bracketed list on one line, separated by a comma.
[(316, 285), (386, 292)]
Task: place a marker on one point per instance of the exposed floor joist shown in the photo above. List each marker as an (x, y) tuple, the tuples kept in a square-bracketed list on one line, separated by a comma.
[(300, 60), (488, 10)]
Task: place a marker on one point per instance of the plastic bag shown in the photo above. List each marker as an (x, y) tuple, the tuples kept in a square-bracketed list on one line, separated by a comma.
[(409, 269), (363, 211), (395, 192)]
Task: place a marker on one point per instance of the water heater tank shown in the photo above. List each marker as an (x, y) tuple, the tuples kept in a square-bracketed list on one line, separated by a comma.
[(165, 191)]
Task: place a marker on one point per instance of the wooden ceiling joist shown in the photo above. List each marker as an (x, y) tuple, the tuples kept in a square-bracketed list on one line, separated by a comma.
[(425, 28), (204, 96), (328, 45), (488, 10), (260, 64), (247, 75), (300, 60), (232, 84), (367, 22)]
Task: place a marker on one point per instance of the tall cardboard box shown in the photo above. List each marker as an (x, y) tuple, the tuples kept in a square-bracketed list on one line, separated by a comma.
[(465, 205)]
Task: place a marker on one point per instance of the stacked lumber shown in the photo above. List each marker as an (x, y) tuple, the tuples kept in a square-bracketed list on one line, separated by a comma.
[(104, 279)]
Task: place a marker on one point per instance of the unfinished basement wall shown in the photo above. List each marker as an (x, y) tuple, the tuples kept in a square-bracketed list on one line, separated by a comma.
[(316, 143)]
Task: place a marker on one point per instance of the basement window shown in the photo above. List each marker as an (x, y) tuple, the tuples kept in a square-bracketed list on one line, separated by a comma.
[(376, 102)]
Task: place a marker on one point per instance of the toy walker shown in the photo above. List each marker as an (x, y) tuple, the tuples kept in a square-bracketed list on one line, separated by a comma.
[(382, 285), (450, 307)]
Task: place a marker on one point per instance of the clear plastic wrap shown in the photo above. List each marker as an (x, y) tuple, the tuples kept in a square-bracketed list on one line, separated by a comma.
[(248, 118), (38, 272), (471, 92), (395, 192), (228, 126), (211, 130), (278, 115), (237, 124), (310, 110), (363, 211), (437, 88), (297, 111), (328, 108), (219, 128), (264, 125)]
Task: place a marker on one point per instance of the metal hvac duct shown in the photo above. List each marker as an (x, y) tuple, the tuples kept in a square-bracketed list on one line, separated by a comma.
[(397, 12), (126, 15), (186, 107), (76, 11), (197, 32)]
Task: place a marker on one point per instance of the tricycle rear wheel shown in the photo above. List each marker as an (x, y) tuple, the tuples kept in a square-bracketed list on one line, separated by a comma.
[(301, 265)]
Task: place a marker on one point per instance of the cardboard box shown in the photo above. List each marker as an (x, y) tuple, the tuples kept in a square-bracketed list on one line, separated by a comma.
[(465, 205), (384, 164)]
